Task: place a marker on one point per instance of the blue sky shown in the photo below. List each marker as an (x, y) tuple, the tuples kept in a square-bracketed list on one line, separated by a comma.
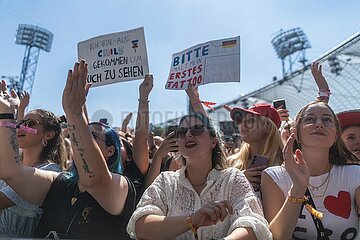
[(170, 26)]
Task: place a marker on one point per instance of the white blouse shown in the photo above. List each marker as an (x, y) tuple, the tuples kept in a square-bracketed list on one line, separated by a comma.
[(171, 194)]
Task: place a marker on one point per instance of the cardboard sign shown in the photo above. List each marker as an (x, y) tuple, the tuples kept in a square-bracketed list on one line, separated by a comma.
[(115, 57), (214, 61)]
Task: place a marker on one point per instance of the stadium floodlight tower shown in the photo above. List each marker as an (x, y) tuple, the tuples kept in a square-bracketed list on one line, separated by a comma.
[(290, 47), (35, 39)]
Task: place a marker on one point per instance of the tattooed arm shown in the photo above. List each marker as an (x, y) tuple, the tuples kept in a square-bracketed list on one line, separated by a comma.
[(109, 189), (21, 178)]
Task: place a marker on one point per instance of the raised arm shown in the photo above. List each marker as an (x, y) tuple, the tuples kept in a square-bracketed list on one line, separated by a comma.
[(282, 213), (324, 91), (24, 103), (169, 144), (109, 189), (194, 98), (21, 178), (125, 122), (140, 145)]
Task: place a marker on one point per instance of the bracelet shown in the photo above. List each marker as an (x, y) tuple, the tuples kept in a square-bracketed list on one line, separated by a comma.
[(7, 116), (297, 200), (191, 227), (324, 93), (22, 127), (143, 101)]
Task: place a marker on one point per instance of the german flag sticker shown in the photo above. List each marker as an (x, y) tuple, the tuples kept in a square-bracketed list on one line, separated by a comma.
[(228, 44)]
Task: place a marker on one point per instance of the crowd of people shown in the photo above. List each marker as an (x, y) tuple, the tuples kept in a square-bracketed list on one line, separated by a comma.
[(67, 177)]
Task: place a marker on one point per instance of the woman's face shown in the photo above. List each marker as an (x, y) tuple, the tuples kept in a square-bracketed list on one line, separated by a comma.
[(252, 129), (351, 138), (194, 138), (26, 139), (317, 127)]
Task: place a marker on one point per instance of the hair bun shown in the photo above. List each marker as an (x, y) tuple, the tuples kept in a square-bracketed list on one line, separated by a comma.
[(62, 119)]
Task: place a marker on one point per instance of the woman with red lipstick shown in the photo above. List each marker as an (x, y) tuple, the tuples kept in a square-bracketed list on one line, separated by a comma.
[(316, 195), (202, 200)]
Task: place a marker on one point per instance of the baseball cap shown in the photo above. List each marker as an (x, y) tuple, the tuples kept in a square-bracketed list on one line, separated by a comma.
[(349, 118), (260, 109)]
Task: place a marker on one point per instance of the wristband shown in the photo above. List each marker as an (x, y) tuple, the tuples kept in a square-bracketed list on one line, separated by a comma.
[(191, 227), (7, 116), (22, 127), (297, 200), (144, 101)]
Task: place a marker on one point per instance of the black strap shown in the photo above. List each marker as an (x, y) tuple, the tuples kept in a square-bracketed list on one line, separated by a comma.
[(9, 116), (323, 233)]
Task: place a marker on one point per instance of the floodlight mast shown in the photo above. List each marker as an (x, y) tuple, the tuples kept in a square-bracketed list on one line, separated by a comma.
[(290, 47), (35, 39)]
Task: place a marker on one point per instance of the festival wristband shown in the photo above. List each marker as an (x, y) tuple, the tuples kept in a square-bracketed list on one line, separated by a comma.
[(22, 127), (191, 227)]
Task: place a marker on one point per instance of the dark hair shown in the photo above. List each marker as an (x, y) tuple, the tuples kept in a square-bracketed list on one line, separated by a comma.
[(338, 153), (54, 151), (218, 157), (114, 162)]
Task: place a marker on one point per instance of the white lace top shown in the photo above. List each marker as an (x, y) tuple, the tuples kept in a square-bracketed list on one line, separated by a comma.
[(171, 194)]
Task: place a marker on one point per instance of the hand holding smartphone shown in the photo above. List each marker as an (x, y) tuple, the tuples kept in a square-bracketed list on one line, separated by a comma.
[(259, 161)]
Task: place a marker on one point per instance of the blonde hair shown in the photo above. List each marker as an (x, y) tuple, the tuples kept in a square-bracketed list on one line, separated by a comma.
[(272, 148)]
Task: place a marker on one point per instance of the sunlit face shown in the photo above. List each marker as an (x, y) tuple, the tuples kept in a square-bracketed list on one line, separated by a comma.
[(351, 138), (194, 138), (317, 127), (26, 139), (252, 128)]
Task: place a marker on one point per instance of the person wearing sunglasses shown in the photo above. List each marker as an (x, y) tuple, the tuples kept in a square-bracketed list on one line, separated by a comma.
[(39, 137), (202, 200), (92, 202), (262, 144), (316, 194)]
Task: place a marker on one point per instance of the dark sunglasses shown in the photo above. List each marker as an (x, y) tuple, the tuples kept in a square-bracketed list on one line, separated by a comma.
[(195, 130), (97, 137)]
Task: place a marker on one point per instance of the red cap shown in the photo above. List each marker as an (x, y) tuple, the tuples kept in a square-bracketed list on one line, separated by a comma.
[(260, 109), (349, 118)]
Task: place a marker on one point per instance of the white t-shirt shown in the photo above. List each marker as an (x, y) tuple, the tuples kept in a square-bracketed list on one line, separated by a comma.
[(338, 203)]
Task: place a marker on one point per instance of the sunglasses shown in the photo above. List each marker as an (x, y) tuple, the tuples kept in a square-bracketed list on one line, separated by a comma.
[(97, 137), (195, 130), (28, 125)]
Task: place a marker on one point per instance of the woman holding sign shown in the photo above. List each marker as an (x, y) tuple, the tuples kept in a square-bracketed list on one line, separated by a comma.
[(202, 200), (95, 202)]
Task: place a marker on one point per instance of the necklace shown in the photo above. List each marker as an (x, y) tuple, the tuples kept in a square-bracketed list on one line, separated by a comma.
[(315, 188), (327, 180)]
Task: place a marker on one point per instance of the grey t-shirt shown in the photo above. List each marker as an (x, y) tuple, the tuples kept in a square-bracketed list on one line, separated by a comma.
[(21, 219)]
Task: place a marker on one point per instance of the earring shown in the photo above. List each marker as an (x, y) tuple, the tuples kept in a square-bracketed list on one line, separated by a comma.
[(44, 142)]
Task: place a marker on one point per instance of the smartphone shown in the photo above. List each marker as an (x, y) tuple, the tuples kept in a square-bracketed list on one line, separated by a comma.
[(278, 103), (259, 161), (172, 128)]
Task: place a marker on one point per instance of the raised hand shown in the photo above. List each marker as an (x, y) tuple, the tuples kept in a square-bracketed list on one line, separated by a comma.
[(296, 167), (283, 113), (24, 100), (192, 92), (316, 71), (76, 88), (146, 87), (8, 102), (169, 144), (125, 122), (211, 213)]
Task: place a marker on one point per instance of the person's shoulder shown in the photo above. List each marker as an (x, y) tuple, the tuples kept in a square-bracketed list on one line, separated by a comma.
[(353, 168)]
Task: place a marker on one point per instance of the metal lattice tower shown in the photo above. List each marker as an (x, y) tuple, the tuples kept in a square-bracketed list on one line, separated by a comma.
[(290, 47), (35, 39)]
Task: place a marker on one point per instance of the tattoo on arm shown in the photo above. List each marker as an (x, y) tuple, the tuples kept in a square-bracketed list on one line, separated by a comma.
[(14, 144), (80, 151)]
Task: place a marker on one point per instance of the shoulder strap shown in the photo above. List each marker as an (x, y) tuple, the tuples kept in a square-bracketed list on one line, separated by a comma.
[(323, 233)]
